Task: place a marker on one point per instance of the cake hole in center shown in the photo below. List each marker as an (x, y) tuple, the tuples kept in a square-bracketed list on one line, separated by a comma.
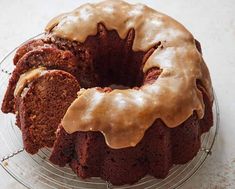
[(117, 66), (109, 61)]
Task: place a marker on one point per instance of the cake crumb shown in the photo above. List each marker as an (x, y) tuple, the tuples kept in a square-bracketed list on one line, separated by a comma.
[(5, 163)]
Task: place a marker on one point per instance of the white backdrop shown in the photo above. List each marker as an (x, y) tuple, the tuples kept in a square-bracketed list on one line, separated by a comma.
[(211, 21)]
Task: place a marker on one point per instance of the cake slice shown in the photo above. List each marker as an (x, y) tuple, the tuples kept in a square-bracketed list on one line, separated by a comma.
[(48, 57), (28, 47), (41, 104)]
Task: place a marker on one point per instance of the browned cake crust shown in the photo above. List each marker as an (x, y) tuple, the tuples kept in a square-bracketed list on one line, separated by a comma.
[(42, 107)]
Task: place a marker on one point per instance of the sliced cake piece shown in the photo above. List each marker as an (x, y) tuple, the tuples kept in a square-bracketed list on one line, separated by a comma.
[(41, 105), (27, 47), (51, 58), (30, 46)]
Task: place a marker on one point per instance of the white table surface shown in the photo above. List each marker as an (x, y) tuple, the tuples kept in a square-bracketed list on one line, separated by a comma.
[(211, 21)]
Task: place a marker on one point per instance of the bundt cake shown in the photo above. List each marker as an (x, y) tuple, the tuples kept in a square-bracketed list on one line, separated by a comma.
[(118, 90)]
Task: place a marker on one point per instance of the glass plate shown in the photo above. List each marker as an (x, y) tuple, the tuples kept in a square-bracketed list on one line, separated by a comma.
[(35, 171)]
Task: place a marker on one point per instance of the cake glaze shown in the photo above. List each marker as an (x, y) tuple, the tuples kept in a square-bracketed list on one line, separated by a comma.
[(125, 88), (27, 78), (123, 116)]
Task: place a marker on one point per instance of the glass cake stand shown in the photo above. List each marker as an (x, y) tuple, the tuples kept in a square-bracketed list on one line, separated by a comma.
[(43, 174)]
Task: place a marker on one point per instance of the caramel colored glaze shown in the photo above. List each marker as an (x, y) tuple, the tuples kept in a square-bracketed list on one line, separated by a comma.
[(27, 78), (123, 116)]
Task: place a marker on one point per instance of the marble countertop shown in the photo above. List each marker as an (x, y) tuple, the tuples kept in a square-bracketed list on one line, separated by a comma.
[(212, 22)]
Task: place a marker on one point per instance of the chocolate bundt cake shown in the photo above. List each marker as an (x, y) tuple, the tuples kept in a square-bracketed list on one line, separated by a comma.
[(118, 90)]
